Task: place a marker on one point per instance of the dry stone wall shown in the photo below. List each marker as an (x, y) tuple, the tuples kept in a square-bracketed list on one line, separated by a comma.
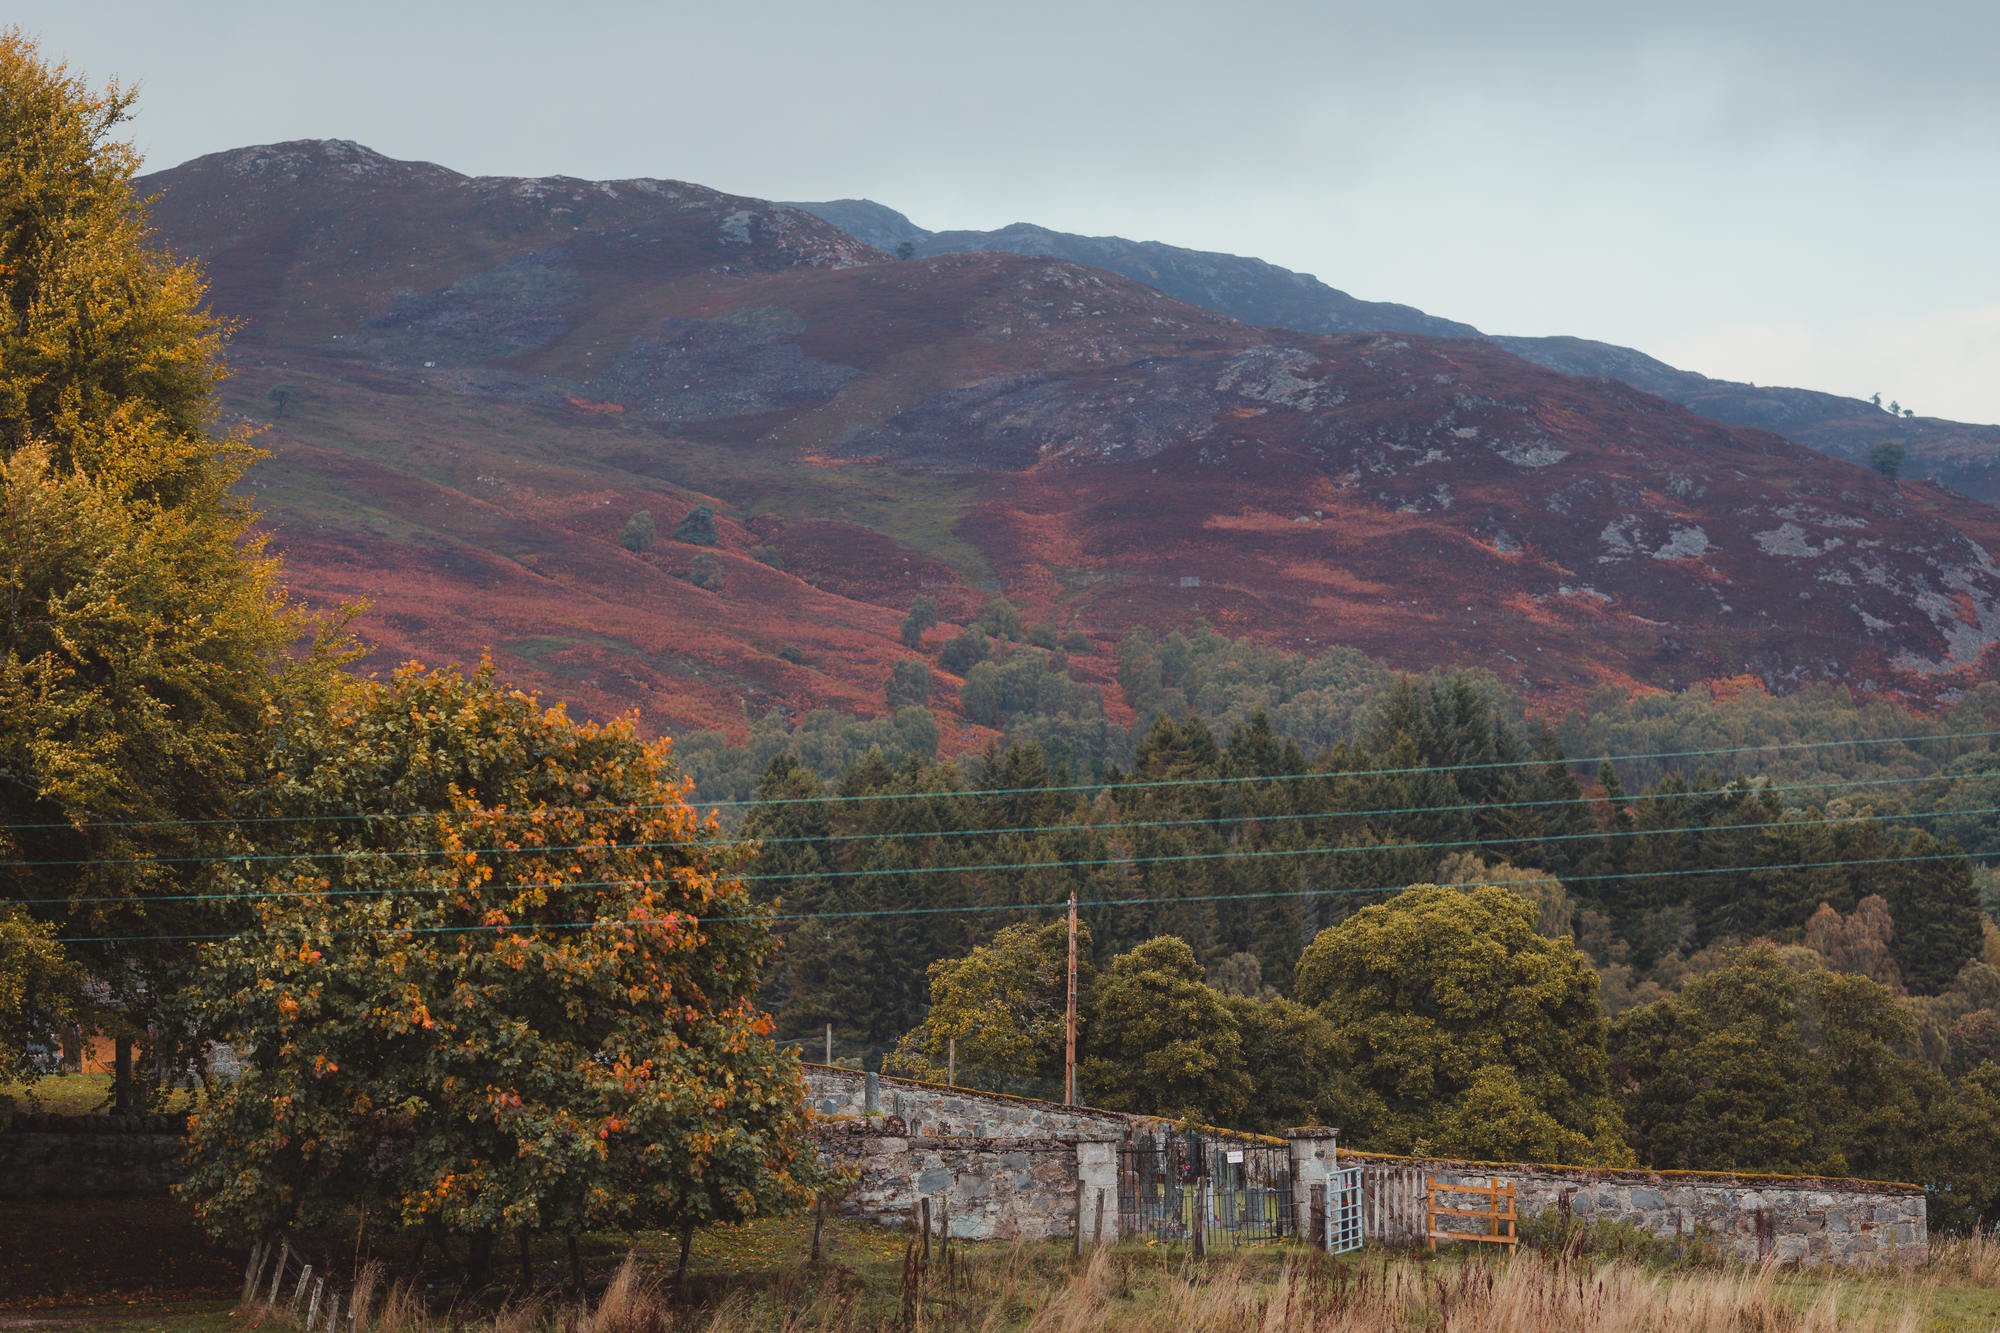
[(73, 1156), (981, 1188), (1804, 1220), (933, 1109)]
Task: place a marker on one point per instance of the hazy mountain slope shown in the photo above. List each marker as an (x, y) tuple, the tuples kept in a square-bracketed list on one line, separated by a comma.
[(1245, 289), (1966, 457), (491, 376)]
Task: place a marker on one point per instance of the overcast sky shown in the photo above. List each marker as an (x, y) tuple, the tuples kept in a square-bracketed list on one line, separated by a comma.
[(1772, 190)]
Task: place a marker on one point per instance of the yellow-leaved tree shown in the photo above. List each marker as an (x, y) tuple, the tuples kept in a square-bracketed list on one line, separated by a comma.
[(143, 632)]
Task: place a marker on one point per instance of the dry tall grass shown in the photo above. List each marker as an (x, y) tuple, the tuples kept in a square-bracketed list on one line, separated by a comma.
[(1031, 1289)]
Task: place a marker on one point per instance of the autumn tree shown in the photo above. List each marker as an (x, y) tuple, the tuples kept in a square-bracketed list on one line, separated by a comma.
[(1459, 1029), (501, 982), (142, 630)]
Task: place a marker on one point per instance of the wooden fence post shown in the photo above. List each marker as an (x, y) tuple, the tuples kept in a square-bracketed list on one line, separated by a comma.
[(332, 1311), (253, 1270), (1201, 1219), (312, 1305), (278, 1274), (819, 1224), (298, 1292)]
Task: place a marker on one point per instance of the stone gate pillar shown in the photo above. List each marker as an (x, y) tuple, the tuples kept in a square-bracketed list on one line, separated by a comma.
[(1097, 1169), (1313, 1156)]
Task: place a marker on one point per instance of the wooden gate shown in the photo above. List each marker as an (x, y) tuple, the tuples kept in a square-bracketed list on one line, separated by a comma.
[(1492, 1223)]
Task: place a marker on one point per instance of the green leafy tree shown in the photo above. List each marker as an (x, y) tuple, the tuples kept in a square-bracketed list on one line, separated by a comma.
[(638, 534), (1001, 619), (1005, 1005), (1290, 1051), (909, 684), (923, 615), (964, 650), (1761, 1065), (283, 395), (528, 1012), (1462, 1030), (1887, 458), (698, 527), (705, 572), (1161, 1042), (40, 993), (906, 249)]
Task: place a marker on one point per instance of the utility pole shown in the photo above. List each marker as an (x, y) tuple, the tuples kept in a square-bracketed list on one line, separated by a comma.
[(1069, 1037)]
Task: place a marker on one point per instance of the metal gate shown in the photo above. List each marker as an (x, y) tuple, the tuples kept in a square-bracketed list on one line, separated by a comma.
[(1343, 1214), (1237, 1189)]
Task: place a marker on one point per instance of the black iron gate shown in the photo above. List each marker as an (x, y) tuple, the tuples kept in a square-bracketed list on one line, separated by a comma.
[(1172, 1181)]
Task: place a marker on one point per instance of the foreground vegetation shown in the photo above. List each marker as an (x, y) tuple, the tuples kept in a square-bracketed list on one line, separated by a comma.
[(754, 1277)]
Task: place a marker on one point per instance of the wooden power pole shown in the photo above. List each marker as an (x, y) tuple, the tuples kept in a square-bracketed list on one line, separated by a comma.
[(1069, 1034)]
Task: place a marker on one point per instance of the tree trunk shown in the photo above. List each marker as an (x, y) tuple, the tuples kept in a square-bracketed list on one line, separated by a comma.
[(687, 1243), (121, 1076), (478, 1259), (575, 1266), (527, 1263)]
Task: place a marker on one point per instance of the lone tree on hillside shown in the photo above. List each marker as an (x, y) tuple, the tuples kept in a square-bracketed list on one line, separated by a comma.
[(923, 615), (698, 528), (1887, 458), (283, 396), (529, 1010), (144, 629), (638, 532)]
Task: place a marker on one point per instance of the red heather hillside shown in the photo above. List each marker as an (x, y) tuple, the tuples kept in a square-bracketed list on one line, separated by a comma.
[(494, 374)]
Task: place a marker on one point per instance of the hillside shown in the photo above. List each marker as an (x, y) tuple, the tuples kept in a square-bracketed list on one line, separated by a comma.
[(1964, 456), (486, 377)]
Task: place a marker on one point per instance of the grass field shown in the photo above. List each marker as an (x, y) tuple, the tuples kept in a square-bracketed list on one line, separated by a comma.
[(139, 1264)]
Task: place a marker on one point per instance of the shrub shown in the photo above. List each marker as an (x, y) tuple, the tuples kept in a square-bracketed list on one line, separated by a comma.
[(909, 684), (705, 572), (638, 532)]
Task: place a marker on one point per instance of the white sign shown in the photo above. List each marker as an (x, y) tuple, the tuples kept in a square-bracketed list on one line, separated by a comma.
[(1236, 1155)]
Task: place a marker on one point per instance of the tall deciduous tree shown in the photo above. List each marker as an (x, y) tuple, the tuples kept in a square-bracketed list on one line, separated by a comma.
[(1459, 1029), (528, 1010), (1161, 1042), (142, 631)]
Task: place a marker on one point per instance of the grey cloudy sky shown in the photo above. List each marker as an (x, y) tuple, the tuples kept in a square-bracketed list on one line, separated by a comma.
[(1774, 190)]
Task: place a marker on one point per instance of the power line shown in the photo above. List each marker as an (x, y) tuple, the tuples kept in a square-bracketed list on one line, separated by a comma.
[(1538, 761), (244, 858), (1003, 907), (934, 869)]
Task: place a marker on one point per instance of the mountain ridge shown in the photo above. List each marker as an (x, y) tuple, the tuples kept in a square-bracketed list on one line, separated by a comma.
[(489, 376), (1964, 455)]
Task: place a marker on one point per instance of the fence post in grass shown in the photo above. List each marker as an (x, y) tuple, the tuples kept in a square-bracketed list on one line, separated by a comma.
[(312, 1304), (298, 1292), (819, 1224), (1201, 1219), (278, 1274), (332, 1311), (253, 1270)]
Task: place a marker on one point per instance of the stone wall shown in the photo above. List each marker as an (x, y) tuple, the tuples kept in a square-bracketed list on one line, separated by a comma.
[(71, 1156), (1806, 1220), (981, 1188), (934, 1109)]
